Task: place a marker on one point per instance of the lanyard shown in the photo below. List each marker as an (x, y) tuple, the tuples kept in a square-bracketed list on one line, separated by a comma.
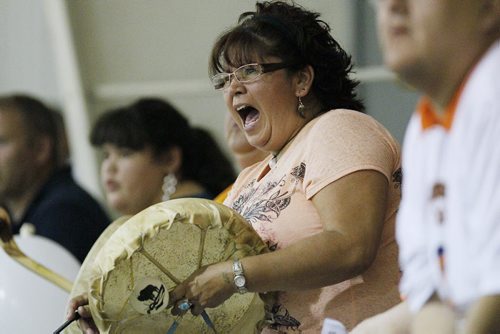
[(205, 317)]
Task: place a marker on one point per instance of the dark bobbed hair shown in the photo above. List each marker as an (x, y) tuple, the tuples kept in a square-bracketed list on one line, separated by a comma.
[(299, 38), (39, 120), (155, 123)]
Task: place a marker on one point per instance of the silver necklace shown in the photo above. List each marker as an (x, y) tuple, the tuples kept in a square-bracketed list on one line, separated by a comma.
[(274, 160)]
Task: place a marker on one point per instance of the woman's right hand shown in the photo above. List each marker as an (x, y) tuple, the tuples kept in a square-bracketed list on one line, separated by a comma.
[(80, 304)]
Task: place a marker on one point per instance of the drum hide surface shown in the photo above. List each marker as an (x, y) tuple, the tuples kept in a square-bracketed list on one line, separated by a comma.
[(155, 250)]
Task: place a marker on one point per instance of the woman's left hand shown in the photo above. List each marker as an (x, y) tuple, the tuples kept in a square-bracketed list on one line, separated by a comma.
[(209, 286)]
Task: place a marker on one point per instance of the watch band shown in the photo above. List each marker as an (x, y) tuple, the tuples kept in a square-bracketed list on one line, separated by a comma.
[(239, 277)]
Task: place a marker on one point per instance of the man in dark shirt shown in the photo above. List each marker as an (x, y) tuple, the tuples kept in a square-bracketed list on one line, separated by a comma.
[(36, 184)]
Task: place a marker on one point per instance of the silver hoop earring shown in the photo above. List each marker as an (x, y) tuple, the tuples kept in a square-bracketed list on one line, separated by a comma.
[(300, 108), (168, 187)]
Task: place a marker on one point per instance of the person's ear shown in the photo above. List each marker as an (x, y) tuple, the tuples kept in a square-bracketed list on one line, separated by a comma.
[(305, 78), (172, 160), (43, 150)]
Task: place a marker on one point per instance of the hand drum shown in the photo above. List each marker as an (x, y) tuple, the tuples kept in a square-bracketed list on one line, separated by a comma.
[(149, 254)]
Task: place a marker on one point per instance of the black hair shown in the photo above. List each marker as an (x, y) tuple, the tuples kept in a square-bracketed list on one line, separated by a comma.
[(296, 36), (39, 120), (156, 123)]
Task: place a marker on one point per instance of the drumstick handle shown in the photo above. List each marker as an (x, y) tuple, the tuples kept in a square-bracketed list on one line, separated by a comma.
[(208, 321), (44, 272), (67, 323), (10, 247)]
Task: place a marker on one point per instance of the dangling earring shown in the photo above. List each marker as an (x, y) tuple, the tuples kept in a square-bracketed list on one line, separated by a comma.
[(300, 108), (168, 186)]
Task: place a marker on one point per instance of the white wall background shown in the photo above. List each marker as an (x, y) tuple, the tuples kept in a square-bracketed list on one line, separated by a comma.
[(130, 48), (25, 56)]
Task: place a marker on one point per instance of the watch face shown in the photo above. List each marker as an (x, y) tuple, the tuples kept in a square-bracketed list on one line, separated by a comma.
[(239, 281)]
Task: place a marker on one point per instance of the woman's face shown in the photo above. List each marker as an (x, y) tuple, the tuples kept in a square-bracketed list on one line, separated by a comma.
[(132, 180), (266, 109)]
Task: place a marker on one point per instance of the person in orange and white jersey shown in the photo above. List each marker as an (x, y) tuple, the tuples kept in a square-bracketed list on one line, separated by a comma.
[(448, 226)]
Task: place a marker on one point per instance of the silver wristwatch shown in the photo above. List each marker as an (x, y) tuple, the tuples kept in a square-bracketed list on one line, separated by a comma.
[(239, 278)]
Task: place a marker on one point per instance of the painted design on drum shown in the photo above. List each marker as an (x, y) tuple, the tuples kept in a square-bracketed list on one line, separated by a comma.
[(149, 296)]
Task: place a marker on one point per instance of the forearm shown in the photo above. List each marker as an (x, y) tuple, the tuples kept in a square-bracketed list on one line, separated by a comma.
[(320, 260), (347, 245), (435, 317), (396, 320), (484, 316)]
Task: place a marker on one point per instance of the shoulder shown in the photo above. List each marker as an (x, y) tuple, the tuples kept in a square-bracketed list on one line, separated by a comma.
[(480, 96), (477, 115), (62, 187), (348, 130), (483, 84), (70, 194), (345, 121), (342, 141), (65, 199), (486, 72), (344, 116), (338, 117)]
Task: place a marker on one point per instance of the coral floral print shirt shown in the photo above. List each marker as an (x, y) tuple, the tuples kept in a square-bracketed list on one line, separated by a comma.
[(277, 202)]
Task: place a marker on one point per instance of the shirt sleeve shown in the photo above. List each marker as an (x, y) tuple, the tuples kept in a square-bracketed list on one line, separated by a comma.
[(343, 142)]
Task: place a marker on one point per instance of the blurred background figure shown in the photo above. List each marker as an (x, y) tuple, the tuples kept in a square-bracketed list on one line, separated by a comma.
[(244, 154), (152, 154), (448, 226), (36, 185)]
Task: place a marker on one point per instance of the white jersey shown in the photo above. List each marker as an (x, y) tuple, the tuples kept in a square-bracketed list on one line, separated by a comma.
[(448, 226)]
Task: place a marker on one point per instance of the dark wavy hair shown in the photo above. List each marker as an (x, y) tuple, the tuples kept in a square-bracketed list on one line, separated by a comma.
[(156, 123), (296, 36)]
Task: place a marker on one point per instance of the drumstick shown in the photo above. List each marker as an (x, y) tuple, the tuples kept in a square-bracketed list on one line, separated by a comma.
[(67, 323), (10, 247)]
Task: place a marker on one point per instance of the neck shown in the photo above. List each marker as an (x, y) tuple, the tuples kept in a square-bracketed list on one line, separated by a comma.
[(292, 137), (442, 92), (249, 158), (441, 81), (187, 188), (19, 204), (276, 154)]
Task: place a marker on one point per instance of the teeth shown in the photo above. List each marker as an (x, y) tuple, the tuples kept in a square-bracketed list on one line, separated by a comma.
[(241, 107)]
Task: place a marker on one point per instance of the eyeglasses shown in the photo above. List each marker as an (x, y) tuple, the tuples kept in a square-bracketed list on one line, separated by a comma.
[(245, 73)]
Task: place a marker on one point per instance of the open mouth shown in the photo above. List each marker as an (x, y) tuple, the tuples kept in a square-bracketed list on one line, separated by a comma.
[(112, 186), (248, 114)]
